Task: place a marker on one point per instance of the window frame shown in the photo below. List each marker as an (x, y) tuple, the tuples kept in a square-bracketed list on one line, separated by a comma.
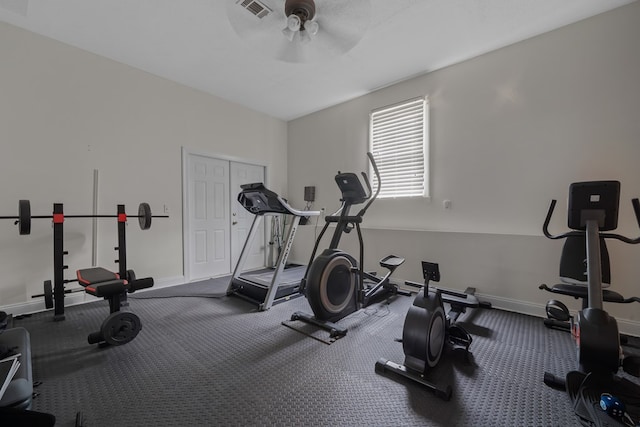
[(383, 164)]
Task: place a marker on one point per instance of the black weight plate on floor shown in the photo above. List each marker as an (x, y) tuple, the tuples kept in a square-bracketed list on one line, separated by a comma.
[(24, 217), (144, 216), (120, 328), (48, 294)]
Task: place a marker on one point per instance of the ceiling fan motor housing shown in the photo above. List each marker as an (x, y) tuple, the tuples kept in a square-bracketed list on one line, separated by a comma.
[(303, 9)]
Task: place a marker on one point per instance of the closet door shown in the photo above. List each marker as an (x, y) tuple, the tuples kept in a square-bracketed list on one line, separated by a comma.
[(209, 217), (216, 225)]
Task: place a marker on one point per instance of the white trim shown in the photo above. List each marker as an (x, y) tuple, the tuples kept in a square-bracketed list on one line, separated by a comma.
[(628, 327), (185, 220), (395, 133), (185, 153), (211, 155), (37, 305)]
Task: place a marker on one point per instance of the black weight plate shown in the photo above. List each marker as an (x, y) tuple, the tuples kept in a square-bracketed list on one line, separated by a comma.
[(144, 216), (131, 276), (120, 328), (24, 217), (48, 294)]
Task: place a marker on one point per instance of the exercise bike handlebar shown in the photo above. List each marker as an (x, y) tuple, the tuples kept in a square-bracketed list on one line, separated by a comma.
[(545, 226), (366, 180)]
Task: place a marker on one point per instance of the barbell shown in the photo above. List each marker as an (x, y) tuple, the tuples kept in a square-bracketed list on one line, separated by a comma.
[(23, 220)]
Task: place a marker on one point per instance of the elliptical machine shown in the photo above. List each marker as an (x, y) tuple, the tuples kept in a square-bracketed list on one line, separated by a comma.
[(593, 209), (427, 329), (334, 282)]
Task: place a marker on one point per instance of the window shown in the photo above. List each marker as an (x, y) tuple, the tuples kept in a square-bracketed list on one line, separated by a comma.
[(398, 136)]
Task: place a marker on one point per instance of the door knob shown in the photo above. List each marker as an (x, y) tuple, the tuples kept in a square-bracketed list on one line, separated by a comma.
[(234, 222)]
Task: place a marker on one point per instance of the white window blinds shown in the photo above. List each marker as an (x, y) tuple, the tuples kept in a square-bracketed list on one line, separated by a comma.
[(398, 138)]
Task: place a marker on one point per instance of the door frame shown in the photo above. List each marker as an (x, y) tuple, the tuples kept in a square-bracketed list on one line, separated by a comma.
[(185, 153)]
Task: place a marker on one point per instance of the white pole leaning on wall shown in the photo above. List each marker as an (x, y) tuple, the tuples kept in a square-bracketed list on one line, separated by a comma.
[(94, 231)]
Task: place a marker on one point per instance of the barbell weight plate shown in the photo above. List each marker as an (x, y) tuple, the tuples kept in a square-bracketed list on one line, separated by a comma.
[(48, 294), (24, 217), (131, 276), (144, 216), (120, 328)]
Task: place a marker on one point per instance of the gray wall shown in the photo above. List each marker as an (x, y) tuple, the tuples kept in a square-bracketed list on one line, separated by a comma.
[(65, 112), (509, 131)]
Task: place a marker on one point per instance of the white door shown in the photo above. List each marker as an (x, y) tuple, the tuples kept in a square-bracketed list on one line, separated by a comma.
[(210, 200), (209, 217), (241, 219)]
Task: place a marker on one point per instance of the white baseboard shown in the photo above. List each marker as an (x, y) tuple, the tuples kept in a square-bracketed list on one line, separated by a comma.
[(628, 327), (37, 305), (165, 282)]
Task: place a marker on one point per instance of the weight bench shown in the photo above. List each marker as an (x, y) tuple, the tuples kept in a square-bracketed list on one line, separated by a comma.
[(120, 327)]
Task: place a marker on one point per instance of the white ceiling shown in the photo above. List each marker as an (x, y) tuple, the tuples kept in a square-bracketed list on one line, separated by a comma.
[(193, 42)]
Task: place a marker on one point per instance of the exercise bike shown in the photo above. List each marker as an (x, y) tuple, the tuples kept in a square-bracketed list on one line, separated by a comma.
[(593, 210), (427, 329), (335, 283)]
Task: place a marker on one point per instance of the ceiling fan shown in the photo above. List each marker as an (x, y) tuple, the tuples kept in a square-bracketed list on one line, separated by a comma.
[(300, 31)]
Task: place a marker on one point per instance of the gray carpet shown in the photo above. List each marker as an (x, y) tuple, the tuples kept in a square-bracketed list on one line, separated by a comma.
[(218, 361)]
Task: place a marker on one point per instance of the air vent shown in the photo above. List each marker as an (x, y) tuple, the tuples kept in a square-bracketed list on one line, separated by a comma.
[(257, 8)]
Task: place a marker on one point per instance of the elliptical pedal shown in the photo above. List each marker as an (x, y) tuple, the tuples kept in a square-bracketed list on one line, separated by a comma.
[(391, 262)]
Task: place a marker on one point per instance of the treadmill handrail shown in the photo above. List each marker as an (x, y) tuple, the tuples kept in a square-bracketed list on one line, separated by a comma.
[(297, 212)]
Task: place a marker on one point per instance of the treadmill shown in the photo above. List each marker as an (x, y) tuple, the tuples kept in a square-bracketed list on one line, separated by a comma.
[(265, 288)]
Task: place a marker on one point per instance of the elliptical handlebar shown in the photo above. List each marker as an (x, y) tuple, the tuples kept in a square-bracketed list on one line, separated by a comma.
[(366, 180), (545, 227)]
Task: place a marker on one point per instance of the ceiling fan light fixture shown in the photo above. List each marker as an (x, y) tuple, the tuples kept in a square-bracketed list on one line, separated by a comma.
[(289, 34), (304, 37), (311, 27), (299, 15), (293, 23)]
